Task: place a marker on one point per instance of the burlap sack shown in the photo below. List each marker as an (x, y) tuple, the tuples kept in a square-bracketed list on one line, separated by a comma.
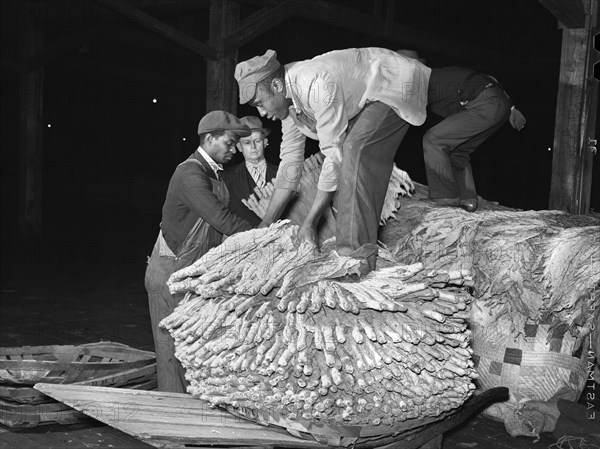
[(535, 363)]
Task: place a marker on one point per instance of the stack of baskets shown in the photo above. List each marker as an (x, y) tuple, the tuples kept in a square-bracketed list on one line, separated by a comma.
[(104, 364)]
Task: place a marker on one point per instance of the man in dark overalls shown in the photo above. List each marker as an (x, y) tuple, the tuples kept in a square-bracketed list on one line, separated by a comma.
[(195, 218)]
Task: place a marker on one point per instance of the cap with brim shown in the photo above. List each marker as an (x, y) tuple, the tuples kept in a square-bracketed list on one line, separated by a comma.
[(222, 120), (249, 73), (255, 124)]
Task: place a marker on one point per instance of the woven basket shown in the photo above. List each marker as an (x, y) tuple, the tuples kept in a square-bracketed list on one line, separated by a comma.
[(103, 364), (534, 365), (28, 365), (31, 415)]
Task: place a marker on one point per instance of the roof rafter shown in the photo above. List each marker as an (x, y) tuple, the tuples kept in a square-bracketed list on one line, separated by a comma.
[(570, 13), (402, 35), (160, 27), (260, 22)]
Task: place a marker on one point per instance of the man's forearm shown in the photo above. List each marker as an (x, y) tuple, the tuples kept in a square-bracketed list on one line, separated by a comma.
[(279, 200), (320, 204)]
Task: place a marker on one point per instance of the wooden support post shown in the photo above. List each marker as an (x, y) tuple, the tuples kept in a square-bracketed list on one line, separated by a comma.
[(260, 22), (30, 134), (575, 122), (221, 87)]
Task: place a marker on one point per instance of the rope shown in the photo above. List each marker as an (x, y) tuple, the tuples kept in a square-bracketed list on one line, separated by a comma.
[(591, 441)]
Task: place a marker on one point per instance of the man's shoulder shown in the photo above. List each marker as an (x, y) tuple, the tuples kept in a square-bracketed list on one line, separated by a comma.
[(235, 168), (191, 168), (192, 164), (304, 72), (234, 175)]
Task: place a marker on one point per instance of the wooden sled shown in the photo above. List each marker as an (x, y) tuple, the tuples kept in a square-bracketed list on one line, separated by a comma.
[(176, 420)]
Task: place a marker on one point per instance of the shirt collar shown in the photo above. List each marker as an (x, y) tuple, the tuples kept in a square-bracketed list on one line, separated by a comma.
[(215, 167), (262, 163), (289, 92)]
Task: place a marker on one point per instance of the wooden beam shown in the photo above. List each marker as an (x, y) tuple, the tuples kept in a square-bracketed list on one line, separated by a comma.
[(163, 29), (570, 13), (221, 87), (258, 23), (589, 115), (408, 37), (63, 46), (136, 39), (75, 12), (31, 84), (575, 123)]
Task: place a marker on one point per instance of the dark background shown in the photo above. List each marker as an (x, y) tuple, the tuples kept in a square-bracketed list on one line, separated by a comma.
[(110, 150)]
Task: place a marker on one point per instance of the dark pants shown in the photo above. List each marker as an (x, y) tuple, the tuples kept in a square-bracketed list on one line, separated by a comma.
[(170, 373), (448, 145), (367, 161)]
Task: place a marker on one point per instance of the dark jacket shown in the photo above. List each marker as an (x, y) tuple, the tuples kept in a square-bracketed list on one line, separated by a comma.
[(240, 184), (448, 86), (190, 196)]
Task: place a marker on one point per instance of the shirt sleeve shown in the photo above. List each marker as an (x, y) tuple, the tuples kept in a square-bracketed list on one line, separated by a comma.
[(291, 154), (327, 102), (196, 193)]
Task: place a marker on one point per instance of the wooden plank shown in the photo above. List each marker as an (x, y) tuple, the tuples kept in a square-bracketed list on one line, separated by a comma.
[(150, 384), (22, 395), (71, 367), (19, 350), (221, 87), (570, 13), (570, 187), (122, 377), (168, 417), (589, 116), (160, 27), (258, 23)]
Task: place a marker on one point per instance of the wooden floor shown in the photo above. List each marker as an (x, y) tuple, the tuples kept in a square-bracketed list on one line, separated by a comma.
[(69, 302)]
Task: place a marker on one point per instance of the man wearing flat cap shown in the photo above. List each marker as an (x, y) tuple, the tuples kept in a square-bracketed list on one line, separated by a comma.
[(195, 218), (255, 171), (358, 103)]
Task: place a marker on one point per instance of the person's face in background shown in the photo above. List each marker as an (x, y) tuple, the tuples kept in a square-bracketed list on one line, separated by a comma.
[(253, 147)]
